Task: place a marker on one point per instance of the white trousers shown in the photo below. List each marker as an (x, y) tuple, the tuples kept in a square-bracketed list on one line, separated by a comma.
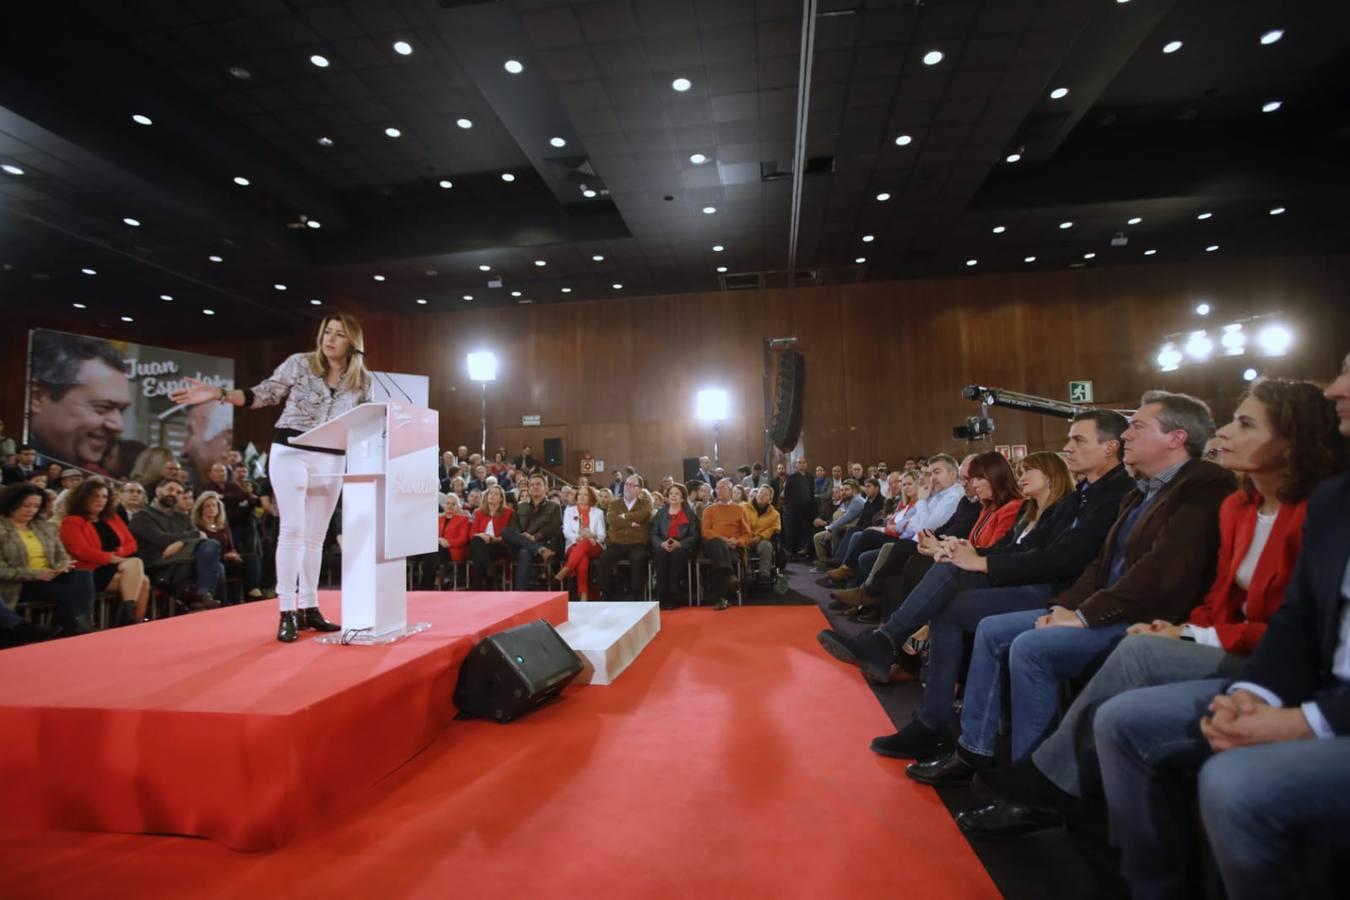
[(305, 505)]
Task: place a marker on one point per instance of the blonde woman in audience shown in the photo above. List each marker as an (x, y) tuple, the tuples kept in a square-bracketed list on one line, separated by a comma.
[(584, 533)]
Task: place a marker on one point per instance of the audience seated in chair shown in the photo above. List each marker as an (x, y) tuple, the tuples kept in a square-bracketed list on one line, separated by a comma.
[(725, 529), (100, 542), (208, 515), (486, 547), (584, 533), (173, 549), (851, 503), (535, 532), (35, 568), (628, 524), (765, 523), (675, 539)]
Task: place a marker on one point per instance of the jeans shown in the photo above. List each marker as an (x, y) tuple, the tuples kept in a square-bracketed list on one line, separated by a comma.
[(947, 632), (211, 571), (72, 592), (523, 551), (844, 548), (1037, 660), (1068, 757), (865, 541), (933, 592)]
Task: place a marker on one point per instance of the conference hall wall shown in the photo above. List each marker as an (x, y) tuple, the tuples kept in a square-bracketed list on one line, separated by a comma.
[(885, 362)]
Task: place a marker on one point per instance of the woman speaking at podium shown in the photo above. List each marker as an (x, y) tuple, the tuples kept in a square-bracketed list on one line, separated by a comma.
[(316, 387)]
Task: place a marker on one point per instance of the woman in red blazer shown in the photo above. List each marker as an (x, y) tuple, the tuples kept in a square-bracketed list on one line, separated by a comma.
[(97, 539), (991, 481), (455, 527), (485, 537)]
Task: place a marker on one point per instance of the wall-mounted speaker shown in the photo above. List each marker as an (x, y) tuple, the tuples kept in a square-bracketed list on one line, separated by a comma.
[(553, 452), (785, 426)]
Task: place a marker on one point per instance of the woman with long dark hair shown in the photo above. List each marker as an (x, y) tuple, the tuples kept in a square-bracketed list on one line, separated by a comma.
[(315, 387), (99, 540)]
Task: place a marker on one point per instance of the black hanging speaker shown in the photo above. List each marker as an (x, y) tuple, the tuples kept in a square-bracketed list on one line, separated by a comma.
[(514, 671), (553, 452), (785, 426)]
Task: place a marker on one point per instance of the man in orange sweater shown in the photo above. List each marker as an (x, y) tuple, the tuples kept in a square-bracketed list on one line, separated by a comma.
[(725, 530)]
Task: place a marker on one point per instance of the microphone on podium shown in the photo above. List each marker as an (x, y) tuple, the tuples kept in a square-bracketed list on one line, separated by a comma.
[(376, 376)]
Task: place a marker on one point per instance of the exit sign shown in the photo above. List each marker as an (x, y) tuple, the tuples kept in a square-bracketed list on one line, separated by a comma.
[(529, 420), (1080, 392)]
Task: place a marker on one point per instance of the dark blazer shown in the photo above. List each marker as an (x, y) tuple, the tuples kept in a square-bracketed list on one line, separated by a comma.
[(689, 531), (543, 521), (1169, 556), (1056, 552), (1294, 658), (871, 513), (799, 491), (962, 520)]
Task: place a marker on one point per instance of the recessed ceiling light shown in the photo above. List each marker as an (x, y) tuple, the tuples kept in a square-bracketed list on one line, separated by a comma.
[(279, 286), (421, 301), (320, 61), (79, 306), (541, 262), (1028, 259), (999, 229), (718, 248), (557, 142), (869, 238), (403, 48), (393, 132), (128, 319), (932, 57), (12, 169), (313, 223), (883, 197), (515, 293), (1171, 46), (241, 181), (508, 177), (1202, 309), (241, 73), (1271, 105), (513, 66), (599, 257), (485, 268), (1150, 252), (378, 277), (1012, 157), (681, 84), (316, 302), (1064, 225), (167, 298), (859, 260), (1089, 256), (1135, 220), (1277, 211), (88, 271), (140, 119), (325, 142), (468, 296), (721, 268), (709, 210), (525, 300), (1272, 36), (565, 290), (1059, 93), (697, 159), (1204, 215), (215, 258), (588, 193), (134, 223), (904, 140), (208, 312), (617, 286), (464, 123), (1211, 248), (972, 262), (446, 184)]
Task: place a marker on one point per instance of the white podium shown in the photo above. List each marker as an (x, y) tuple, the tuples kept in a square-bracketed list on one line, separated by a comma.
[(388, 512)]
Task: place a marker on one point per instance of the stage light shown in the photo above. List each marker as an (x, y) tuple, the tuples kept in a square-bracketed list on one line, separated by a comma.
[(711, 405), (1199, 346), (1234, 340), (1249, 374), (1275, 340), (1169, 357), (1202, 309)]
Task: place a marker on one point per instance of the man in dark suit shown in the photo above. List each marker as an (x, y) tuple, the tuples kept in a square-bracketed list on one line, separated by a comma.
[(535, 531), (24, 465), (1271, 748), (799, 507)]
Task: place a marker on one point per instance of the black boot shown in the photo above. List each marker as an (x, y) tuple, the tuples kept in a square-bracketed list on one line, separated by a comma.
[(310, 617), (290, 624), (126, 613)]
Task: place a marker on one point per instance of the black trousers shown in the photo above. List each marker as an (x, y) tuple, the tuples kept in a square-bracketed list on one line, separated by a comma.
[(72, 592), (484, 555), (607, 570), (896, 588), (722, 559), (893, 567), (669, 565), (797, 527)]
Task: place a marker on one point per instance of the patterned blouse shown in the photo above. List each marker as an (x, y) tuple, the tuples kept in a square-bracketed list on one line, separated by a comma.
[(309, 399)]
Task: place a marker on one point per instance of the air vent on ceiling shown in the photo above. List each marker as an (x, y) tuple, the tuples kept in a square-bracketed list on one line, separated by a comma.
[(773, 170), (743, 281)]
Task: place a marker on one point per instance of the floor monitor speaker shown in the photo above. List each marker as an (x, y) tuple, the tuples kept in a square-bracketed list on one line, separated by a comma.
[(515, 671)]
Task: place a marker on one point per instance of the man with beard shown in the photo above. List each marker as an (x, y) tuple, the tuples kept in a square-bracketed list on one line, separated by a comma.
[(77, 398)]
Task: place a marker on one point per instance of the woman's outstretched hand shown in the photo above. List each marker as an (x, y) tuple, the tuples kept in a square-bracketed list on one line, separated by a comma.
[(196, 392)]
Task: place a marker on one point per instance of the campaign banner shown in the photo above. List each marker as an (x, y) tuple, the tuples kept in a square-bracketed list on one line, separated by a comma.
[(104, 406)]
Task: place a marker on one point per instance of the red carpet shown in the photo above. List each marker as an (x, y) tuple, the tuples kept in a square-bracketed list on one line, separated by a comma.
[(729, 760), (205, 725)]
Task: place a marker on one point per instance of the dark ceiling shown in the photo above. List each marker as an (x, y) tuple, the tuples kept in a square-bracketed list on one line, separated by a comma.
[(231, 92)]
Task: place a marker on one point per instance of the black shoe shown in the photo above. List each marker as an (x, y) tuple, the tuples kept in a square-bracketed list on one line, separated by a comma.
[(948, 769), (1023, 784), (75, 625), (872, 652), (126, 614), (310, 617), (915, 741), (288, 630), (1006, 820), (25, 632), (868, 615), (838, 606), (204, 601)]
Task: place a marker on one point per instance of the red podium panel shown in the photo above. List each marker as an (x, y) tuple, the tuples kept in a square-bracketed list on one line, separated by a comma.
[(204, 725)]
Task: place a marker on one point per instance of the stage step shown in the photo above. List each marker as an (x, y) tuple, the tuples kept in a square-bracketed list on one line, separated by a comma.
[(609, 636)]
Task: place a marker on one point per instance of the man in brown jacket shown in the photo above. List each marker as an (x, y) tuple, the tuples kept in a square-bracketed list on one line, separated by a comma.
[(628, 526), (1156, 563)]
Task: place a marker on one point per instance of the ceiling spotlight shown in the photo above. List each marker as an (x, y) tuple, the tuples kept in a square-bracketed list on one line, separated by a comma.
[(617, 286), (1169, 357), (868, 238), (883, 197), (485, 268), (540, 262), (1134, 221), (1199, 346), (313, 223), (1150, 252), (79, 306), (1059, 93), (241, 73), (508, 177), (718, 248), (859, 260), (142, 119), (565, 290), (241, 181), (1089, 256), (1028, 259), (88, 271), (513, 66), (320, 61), (167, 298), (709, 210), (421, 301), (999, 229), (208, 312), (1271, 105), (932, 57), (697, 159), (904, 140), (598, 257), (682, 84), (403, 48), (1271, 36), (1171, 46), (1234, 340), (1211, 248), (721, 268), (12, 169), (279, 286), (1277, 211), (378, 277), (515, 293), (1012, 157), (464, 123), (325, 142), (1202, 309), (1275, 340), (128, 319), (134, 223), (215, 258), (1249, 374), (447, 185), (972, 262), (315, 302), (1064, 225), (1204, 215), (557, 142), (468, 296), (588, 194), (393, 132)]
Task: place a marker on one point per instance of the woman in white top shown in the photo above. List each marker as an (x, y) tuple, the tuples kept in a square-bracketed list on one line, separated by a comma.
[(584, 532), (315, 387)]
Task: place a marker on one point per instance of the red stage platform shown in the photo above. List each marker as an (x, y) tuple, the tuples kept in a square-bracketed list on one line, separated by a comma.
[(204, 725)]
